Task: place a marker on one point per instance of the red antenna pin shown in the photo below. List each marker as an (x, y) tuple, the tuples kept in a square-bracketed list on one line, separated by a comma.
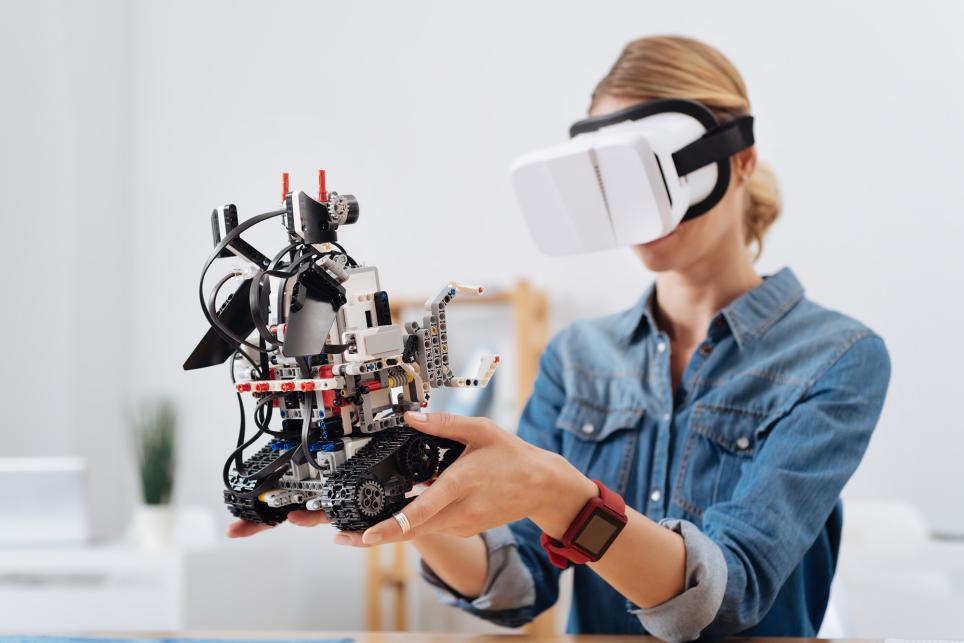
[(322, 190)]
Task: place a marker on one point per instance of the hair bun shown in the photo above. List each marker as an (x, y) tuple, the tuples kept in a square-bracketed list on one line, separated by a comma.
[(762, 204)]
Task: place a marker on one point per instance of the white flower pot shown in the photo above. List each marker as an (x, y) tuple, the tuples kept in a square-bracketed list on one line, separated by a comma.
[(154, 526)]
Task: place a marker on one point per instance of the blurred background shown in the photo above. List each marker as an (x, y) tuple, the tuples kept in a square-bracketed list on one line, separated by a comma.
[(122, 124)]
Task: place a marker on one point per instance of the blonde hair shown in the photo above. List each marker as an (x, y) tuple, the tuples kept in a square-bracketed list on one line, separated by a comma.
[(678, 67)]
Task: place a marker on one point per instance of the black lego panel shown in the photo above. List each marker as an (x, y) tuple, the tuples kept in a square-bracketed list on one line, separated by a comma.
[(235, 313)]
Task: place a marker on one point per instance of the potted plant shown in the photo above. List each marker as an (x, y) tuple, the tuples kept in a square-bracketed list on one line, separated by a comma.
[(154, 436)]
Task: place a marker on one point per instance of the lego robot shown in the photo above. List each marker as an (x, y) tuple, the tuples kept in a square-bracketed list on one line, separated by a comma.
[(308, 334)]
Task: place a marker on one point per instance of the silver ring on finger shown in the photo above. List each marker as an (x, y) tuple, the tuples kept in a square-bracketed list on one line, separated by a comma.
[(403, 522)]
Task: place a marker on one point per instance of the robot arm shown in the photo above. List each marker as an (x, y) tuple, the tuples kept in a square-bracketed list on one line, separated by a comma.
[(433, 344)]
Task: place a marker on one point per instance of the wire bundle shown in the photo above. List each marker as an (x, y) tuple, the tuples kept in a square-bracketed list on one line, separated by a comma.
[(286, 264)]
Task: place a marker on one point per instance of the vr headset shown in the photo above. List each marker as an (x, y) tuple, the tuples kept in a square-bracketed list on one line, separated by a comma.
[(629, 177)]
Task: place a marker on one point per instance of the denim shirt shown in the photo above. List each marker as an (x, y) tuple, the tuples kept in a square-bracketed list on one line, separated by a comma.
[(745, 460)]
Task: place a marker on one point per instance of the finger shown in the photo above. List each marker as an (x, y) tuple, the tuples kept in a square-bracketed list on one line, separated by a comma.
[(456, 520), (467, 430), (431, 501), (245, 528), (305, 518), (444, 521), (349, 538)]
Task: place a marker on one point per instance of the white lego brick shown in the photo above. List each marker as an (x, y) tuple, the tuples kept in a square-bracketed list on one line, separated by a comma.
[(354, 317), (361, 280), (379, 342), (334, 268), (282, 497), (382, 341), (487, 366), (333, 459), (450, 290), (346, 418), (466, 289), (380, 398)]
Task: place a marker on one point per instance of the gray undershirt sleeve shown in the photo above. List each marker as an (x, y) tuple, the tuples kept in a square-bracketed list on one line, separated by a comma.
[(683, 617), (508, 583)]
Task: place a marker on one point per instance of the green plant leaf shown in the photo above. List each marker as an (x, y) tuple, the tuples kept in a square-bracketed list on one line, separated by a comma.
[(154, 435)]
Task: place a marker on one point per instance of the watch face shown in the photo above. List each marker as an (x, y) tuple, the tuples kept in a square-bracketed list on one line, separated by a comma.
[(597, 533)]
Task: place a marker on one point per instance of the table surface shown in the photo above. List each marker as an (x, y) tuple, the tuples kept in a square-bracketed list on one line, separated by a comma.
[(419, 637), (426, 637)]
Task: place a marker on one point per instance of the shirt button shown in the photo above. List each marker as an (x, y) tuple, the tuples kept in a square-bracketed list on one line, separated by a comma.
[(661, 347), (706, 349), (742, 442), (588, 428), (655, 496)]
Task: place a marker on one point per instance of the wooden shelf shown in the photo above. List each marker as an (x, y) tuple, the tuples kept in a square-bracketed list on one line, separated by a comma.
[(530, 315)]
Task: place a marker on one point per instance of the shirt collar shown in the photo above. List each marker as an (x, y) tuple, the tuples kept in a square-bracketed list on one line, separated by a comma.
[(748, 316), (751, 314), (641, 317)]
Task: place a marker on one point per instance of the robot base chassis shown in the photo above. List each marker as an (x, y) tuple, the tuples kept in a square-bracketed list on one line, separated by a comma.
[(368, 488)]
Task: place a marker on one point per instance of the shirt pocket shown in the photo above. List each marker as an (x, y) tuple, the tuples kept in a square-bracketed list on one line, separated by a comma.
[(719, 448), (600, 442)]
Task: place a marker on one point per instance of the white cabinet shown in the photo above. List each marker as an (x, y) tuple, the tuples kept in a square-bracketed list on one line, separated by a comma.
[(124, 588)]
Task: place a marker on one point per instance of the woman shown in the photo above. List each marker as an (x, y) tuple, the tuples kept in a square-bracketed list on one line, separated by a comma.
[(726, 409)]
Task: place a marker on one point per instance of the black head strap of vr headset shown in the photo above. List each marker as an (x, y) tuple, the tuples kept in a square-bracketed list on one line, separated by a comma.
[(716, 145)]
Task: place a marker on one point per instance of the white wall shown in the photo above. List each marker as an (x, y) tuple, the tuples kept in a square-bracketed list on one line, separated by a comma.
[(134, 120), (64, 184), (419, 109)]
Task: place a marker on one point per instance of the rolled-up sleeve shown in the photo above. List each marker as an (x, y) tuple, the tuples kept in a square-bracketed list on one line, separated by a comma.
[(508, 590), (748, 545), (520, 582), (780, 506), (683, 617)]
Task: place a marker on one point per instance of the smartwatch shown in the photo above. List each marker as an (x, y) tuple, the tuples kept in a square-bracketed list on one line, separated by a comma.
[(591, 533)]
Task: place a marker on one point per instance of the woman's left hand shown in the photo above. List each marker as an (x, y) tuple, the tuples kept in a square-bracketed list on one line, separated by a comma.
[(498, 479)]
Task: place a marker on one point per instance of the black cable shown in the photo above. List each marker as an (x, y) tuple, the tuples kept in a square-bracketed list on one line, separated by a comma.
[(282, 312), (262, 417), (255, 297), (212, 298), (305, 365), (264, 471), (257, 368), (237, 454), (307, 407), (261, 422), (267, 471), (263, 409), (241, 427), (238, 462), (240, 400), (219, 327), (254, 300)]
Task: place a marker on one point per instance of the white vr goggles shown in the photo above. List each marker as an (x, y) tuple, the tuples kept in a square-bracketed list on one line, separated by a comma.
[(629, 177)]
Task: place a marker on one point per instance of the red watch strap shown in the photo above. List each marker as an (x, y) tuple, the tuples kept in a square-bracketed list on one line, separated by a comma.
[(562, 553), (559, 554), (612, 500)]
